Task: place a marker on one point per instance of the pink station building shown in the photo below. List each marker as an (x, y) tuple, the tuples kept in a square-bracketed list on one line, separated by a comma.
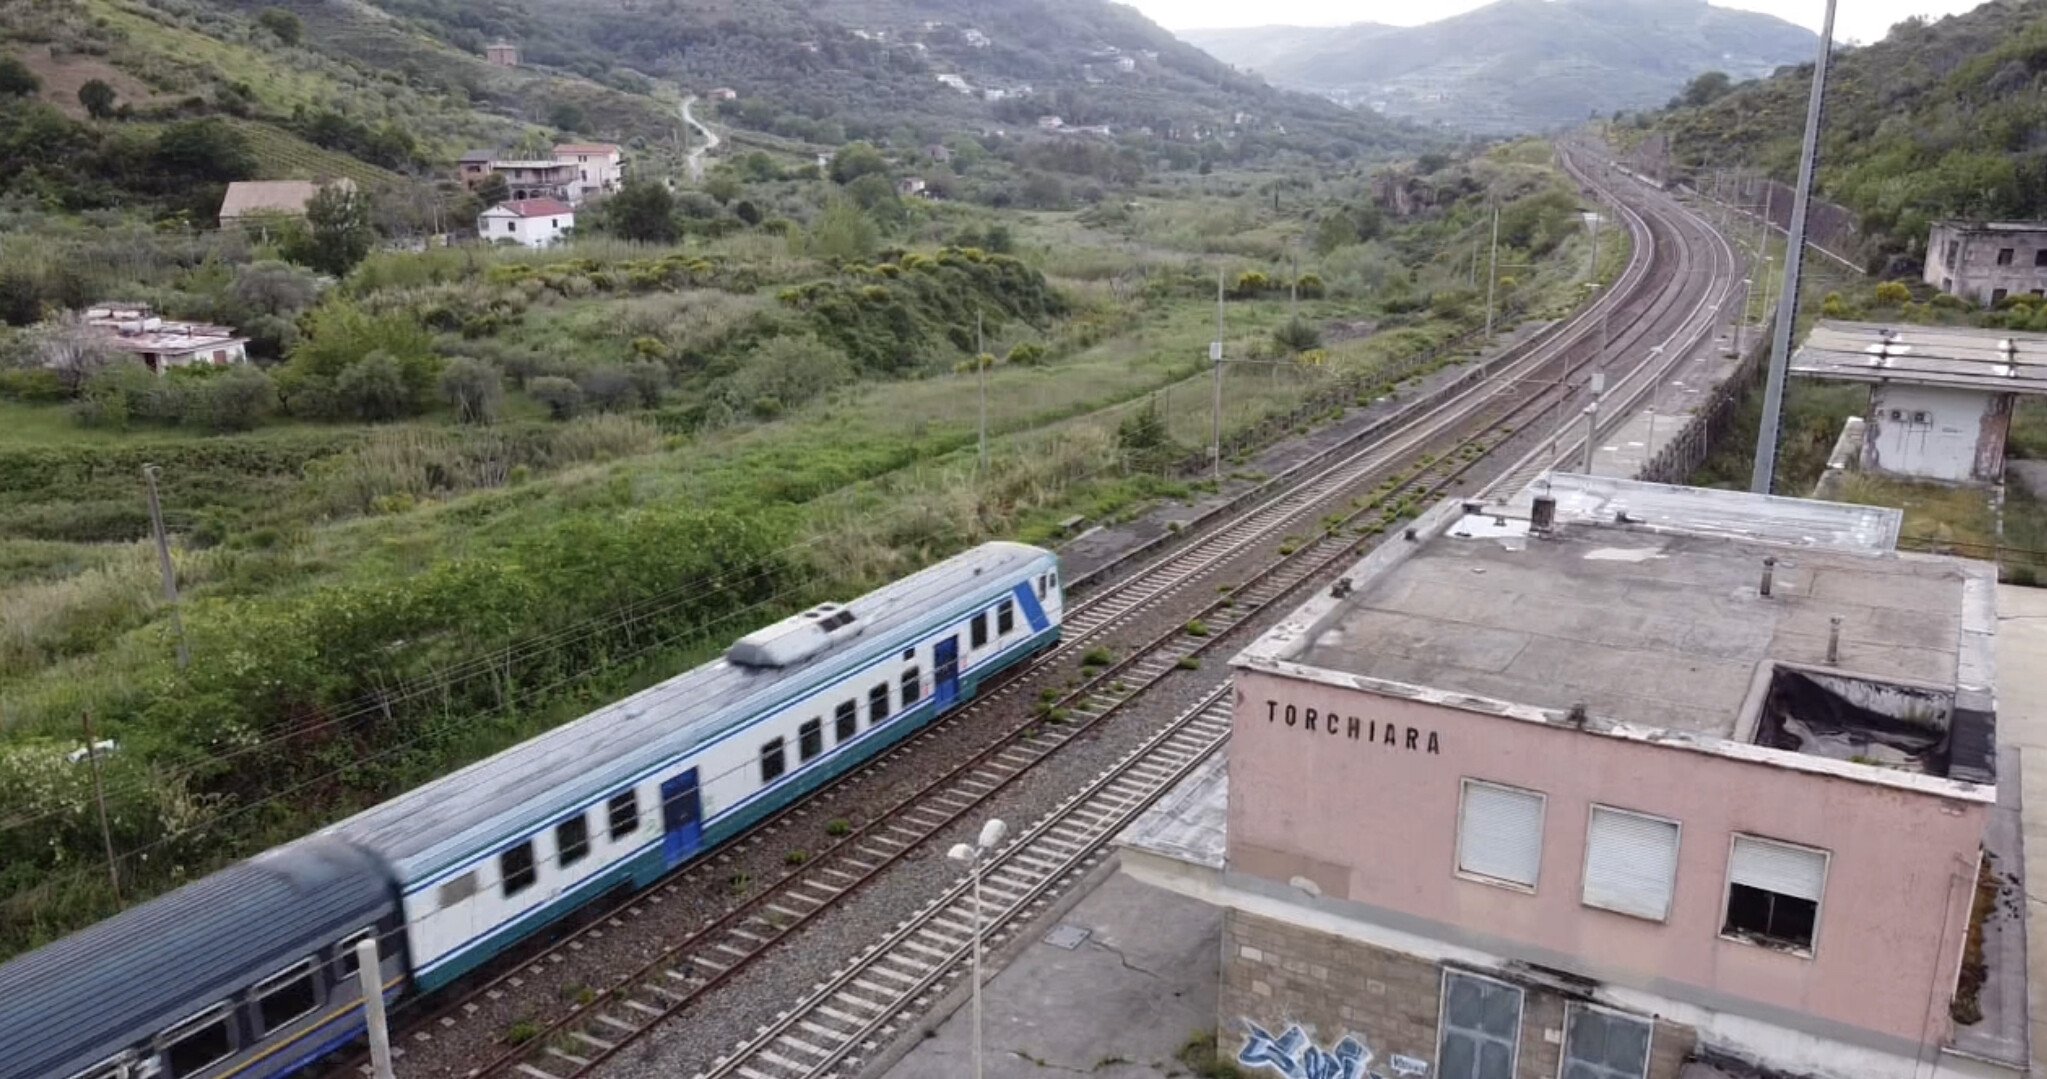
[(1635, 782)]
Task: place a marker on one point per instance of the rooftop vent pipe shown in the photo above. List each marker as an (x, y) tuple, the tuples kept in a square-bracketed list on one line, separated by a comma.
[(1769, 574), (1834, 641)]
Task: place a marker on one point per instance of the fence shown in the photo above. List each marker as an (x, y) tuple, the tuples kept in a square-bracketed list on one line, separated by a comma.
[(1682, 456)]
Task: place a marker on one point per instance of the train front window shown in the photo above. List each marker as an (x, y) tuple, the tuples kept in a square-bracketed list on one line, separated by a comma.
[(810, 740), (516, 867), (979, 629), (199, 1044), (286, 997), (1005, 618)]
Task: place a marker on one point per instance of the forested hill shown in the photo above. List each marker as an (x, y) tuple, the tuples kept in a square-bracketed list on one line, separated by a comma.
[(1938, 119), (830, 70), (1519, 65)]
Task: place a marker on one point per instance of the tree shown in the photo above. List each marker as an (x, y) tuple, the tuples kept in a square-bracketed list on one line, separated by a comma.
[(73, 349), (642, 211), (1297, 335), (98, 98), (562, 397), (607, 388), (723, 187), (475, 389), (855, 160), (204, 150), (270, 287), (338, 230), (340, 335), (373, 388), (566, 116), (493, 189), (1706, 89), (283, 24), (16, 80), (843, 232), (235, 399)]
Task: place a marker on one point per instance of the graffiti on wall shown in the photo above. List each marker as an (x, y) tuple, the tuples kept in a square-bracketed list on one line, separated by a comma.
[(1294, 1055)]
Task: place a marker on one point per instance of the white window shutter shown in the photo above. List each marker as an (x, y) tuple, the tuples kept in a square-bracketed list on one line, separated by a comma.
[(1500, 833), (1798, 872), (1630, 863)]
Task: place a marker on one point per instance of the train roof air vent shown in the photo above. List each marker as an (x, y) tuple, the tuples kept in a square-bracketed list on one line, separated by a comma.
[(795, 639)]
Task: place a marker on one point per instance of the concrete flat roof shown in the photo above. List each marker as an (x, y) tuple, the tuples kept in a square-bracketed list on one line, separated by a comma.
[(1997, 361), (1644, 606)]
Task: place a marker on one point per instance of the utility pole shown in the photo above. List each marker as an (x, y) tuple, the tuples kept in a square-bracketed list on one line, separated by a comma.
[(1492, 275), (981, 365), (170, 573), (1215, 359), (99, 794), (1598, 389), (370, 976), (1592, 270), (1787, 304)]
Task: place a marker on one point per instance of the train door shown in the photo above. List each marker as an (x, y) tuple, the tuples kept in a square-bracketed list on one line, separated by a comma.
[(945, 658), (682, 818)]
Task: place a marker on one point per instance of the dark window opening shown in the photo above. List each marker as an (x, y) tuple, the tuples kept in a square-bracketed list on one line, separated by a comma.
[(2004, 256), (286, 997), (846, 720), (1998, 295), (772, 764), (1005, 618), (1768, 917), (516, 865), (810, 740), (1953, 249), (1041, 586), (979, 628), (913, 687), (572, 840), (344, 953), (2040, 257), (877, 704), (625, 814), (909, 655), (198, 1047)]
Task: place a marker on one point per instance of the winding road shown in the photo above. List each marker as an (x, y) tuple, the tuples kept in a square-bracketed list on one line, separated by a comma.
[(711, 140)]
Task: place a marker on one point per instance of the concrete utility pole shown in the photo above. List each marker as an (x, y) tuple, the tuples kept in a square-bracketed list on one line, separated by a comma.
[(370, 976), (170, 573), (1492, 276), (1215, 359), (99, 794), (981, 365), (1592, 270), (1794, 251)]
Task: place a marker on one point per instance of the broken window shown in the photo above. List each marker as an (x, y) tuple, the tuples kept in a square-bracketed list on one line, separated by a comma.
[(2004, 256), (1773, 892)]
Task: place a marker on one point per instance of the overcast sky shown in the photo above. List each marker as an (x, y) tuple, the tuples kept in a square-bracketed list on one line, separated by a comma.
[(1855, 20)]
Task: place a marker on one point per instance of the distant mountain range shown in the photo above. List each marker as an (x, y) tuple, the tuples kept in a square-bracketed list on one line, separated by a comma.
[(1518, 65)]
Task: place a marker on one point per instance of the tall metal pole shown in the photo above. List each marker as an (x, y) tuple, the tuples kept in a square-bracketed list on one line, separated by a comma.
[(370, 976), (1492, 273), (1591, 431), (1215, 359), (1794, 250), (1592, 271), (99, 794), (170, 573), (981, 365)]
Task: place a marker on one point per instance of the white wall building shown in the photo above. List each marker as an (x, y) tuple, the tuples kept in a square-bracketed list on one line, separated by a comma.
[(600, 168), (527, 222), (162, 344)]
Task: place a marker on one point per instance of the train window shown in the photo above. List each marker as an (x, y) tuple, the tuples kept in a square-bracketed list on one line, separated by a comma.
[(625, 814), (193, 1046), (285, 997), (980, 629), (810, 740), (516, 866), (344, 953), (457, 890), (913, 687), (1052, 579), (572, 840), (877, 704), (909, 655), (846, 721), (1041, 586), (1005, 617), (772, 764)]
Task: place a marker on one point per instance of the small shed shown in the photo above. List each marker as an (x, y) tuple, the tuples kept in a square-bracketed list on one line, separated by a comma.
[(1940, 397), (502, 54)]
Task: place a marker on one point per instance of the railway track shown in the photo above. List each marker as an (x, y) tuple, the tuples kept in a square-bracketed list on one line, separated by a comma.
[(1421, 452)]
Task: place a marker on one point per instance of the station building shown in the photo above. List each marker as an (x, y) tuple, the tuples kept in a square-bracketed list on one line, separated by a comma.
[(1642, 782)]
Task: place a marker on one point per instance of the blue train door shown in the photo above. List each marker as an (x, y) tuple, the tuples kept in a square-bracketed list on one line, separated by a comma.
[(682, 818), (946, 657)]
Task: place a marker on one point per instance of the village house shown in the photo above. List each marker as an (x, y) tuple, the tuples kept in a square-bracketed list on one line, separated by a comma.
[(527, 222), (502, 54), (162, 344), (1986, 261), (252, 202), (600, 168)]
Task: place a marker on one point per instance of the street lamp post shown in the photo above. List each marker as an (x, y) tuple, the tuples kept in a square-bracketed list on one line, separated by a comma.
[(975, 855)]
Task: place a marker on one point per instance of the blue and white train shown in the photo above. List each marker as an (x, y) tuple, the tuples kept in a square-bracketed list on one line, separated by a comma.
[(251, 971)]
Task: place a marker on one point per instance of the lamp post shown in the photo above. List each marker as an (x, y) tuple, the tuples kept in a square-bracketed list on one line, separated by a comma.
[(975, 855)]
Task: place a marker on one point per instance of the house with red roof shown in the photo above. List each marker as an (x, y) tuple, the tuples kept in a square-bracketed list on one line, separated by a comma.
[(527, 222)]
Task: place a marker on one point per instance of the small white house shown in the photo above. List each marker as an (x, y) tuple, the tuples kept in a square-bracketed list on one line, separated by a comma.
[(527, 222), (600, 168), (162, 344)]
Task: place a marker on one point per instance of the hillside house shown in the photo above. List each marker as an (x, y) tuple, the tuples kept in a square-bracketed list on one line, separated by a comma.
[(600, 168), (502, 54), (162, 344), (472, 167), (540, 222), (724, 93), (1988, 261), (912, 187), (250, 202), (537, 178)]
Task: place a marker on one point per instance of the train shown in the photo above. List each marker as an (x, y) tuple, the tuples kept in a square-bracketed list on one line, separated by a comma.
[(251, 972)]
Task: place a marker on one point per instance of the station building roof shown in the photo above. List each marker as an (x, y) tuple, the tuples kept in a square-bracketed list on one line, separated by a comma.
[(1967, 357)]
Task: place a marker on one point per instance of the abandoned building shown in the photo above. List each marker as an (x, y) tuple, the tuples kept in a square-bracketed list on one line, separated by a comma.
[(1986, 261), (1940, 398), (1639, 783)]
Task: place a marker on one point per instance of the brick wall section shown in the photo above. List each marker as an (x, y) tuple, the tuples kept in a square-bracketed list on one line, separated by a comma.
[(1276, 975)]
